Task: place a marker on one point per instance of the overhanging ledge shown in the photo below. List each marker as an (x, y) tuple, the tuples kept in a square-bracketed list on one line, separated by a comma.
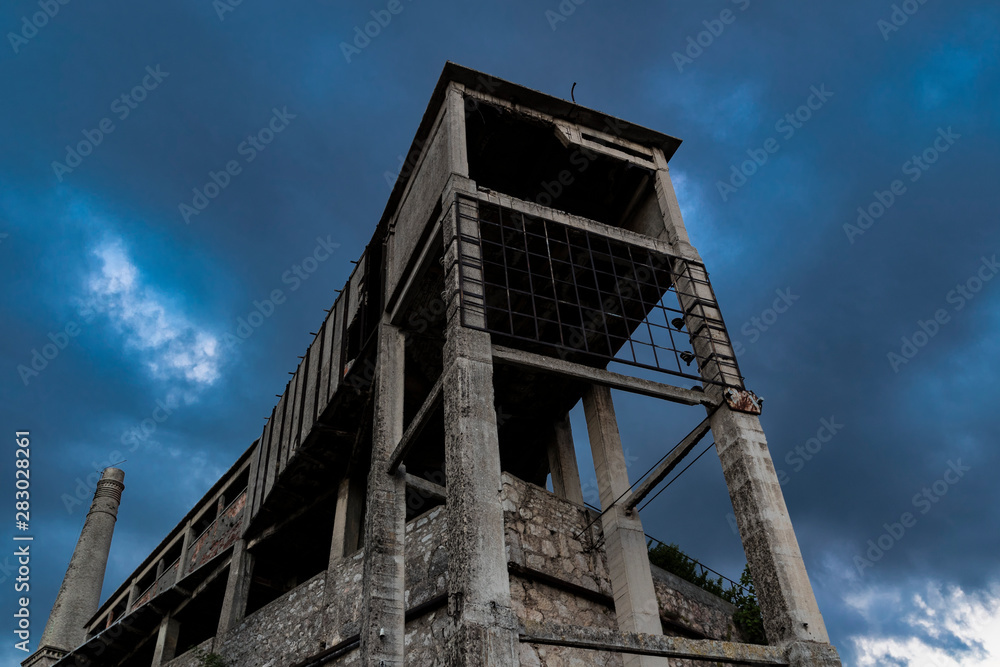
[(601, 639), (541, 363)]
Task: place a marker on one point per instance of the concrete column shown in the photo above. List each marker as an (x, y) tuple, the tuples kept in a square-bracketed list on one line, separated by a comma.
[(479, 586), (133, 593), (786, 597), (347, 518), (189, 536), (166, 641), (80, 594), (562, 463), (382, 625), (234, 604), (636, 607), (788, 605)]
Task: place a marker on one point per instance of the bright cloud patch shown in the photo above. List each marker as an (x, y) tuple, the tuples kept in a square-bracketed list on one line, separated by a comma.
[(172, 346), (943, 628)]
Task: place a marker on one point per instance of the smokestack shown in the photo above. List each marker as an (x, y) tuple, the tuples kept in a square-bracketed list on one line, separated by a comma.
[(80, 594)]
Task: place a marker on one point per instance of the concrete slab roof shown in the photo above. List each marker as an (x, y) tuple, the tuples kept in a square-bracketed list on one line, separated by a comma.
[(553, 106)]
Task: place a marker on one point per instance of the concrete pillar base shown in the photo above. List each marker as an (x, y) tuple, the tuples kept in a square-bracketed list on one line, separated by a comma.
[(812, 654), (478, 645)]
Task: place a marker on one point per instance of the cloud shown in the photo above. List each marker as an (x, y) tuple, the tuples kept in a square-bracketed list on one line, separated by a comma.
[(943, 627), (170, 345)]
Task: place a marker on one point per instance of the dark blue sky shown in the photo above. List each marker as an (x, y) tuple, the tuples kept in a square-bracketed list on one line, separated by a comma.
[(99, 244)]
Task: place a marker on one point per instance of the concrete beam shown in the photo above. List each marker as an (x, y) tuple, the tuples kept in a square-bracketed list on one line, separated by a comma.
[(636, 606), (416, 426), (640, 644), (400, 298), (599, 376), (676, 456), (576, 221), (426, 488)]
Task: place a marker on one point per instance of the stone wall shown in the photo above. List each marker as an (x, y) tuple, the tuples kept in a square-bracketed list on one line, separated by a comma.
[(691, 611), (561, 578), (189, 659), (557, 576), (290, 627), (342, 599), (426, 558)]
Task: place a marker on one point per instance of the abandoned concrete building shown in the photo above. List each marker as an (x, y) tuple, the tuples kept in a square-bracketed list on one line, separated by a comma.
[(531, 255)]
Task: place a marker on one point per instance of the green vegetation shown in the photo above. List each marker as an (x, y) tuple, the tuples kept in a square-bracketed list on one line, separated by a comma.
[(209, 659), (747, 615)]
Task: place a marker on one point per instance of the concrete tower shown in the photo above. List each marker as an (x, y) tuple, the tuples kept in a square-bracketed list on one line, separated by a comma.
[(80, 593), (395, 510)]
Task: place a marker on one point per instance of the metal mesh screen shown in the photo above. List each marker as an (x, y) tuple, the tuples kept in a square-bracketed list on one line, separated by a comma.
[(586, 297)]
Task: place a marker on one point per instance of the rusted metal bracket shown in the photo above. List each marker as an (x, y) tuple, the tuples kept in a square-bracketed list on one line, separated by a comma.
[(744, 400)]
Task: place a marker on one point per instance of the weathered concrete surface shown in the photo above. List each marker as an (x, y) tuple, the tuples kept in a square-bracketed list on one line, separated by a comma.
[(562, 462), (382, 623), (636, 608), (234, 603), (813, 654), (787, 601), (348, 519), (633, 644), (80, 594), (786, 597), (479, 587), (429, 174), (166, 641)]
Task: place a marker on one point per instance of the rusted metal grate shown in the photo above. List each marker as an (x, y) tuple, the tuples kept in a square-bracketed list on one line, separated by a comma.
[(585, 297)]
